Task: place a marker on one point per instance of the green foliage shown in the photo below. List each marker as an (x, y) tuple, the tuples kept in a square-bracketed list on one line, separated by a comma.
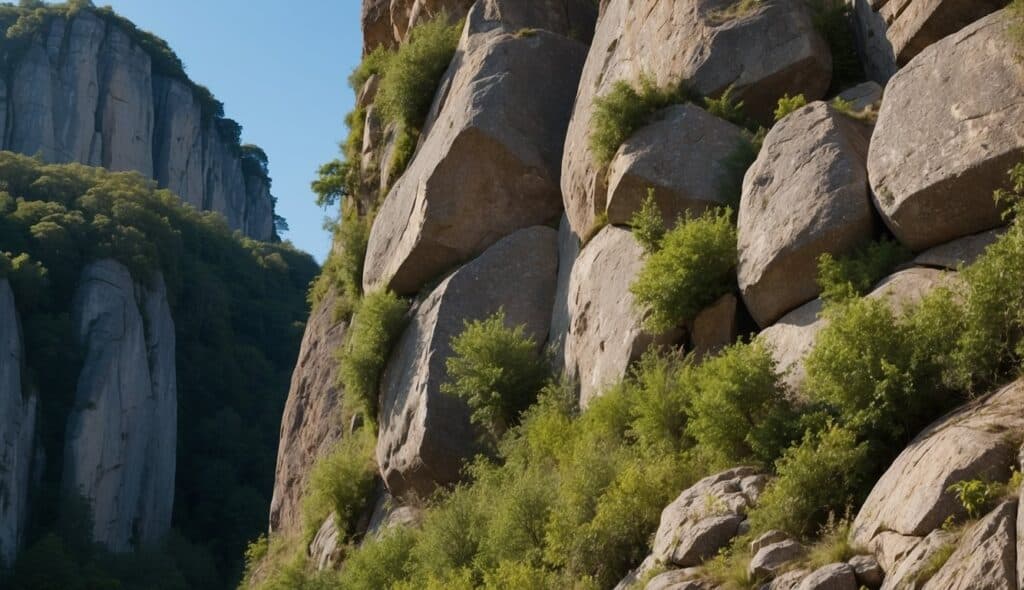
[(405, 148), (824, 474), (788, 104), (647, 224), (976, 495), (730, 183), (625, 109), (933, 564), (495, 369), (380, 562), (833, 544), (377, 323), (343, 269), (834, 20), (692, 270), (727, 107), (341, 483), (374, 63), (855, 274)]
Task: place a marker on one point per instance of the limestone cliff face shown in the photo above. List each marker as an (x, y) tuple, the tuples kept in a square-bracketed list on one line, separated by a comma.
[(120, 440), (84, 91), (17, 430)]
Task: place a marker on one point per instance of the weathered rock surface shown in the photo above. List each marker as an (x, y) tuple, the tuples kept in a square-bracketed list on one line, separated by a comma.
[(375, 20), (976, 441), (676, 580), (867, 570), (683, 156), (961, 252), (805, 195), (867, 95), (986, 557), (836, 576), (605, 331), (17, 431), (772, 558), (312, 421), (84, 92), (770, 51), (325, 548), (424, 434), (568, 250), (767, 538), (787, 581), (903, 556), (121, 435), (489, 163), (715, 327), (946, 134), (570, 18), (705, 517), (891, 33)]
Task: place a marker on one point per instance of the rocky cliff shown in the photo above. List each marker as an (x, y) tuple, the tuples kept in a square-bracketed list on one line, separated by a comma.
[(81, 88)]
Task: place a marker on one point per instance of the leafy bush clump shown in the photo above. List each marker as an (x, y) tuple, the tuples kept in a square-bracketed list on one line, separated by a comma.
[(380, 562), (625, 109), (788, 104), (343, 269), (647, 224), (376, 325), (856, 273), (693, 268), (727, 107), (497, 370), (341, 483), (976, 496)]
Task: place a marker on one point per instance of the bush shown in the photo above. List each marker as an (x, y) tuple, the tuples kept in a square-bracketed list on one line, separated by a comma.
[(376, 325), (623, 110), (380, 562), (374, 63), (727, 107), (857, 272), (825, 474), (692, 270), (495, 369), (660, 393), (788, 104), (647, 224), (343, 269), (341, 482), (977, 496)]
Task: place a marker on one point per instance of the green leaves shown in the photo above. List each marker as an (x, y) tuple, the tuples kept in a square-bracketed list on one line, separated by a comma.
[(623, 110), (377, 323)]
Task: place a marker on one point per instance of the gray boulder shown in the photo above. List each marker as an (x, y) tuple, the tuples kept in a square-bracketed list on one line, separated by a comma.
[(836, 576), (867, 570), (772, 558), (806, 195), (677, 580), (986, 557), (767, 538), (568, 250), (960, 252), (946, 135), (424, 434), (903, 557), (864, 96), (715, 327)]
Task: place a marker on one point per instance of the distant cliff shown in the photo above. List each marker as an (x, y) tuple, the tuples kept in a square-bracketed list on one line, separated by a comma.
[(84, 85)]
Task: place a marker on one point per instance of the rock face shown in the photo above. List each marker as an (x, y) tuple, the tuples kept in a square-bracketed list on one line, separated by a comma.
[(17, 431), (891, 32), (770, 559), (912, 498), (836, 576), (682, 156), (311, 424), (120, 441), (769, 51), (489, 163), (568, 250), (986, 558), (946, 135), (84, 91), (605, 332), (424, 434), (805, 195)]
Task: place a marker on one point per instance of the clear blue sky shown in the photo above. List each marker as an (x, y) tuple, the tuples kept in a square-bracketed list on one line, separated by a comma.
[(280, 67)]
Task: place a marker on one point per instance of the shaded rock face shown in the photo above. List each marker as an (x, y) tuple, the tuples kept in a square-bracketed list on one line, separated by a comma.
[(489, 163), (85, 92), (805, 195), (892, 32), (986, 557), (17, 431), (770, 51), (121, 434), (312, 421), (425, 435), (568, 250), (947, 132), (975, 442)]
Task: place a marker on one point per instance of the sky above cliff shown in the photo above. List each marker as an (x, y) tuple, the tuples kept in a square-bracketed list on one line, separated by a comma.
[(280, 68)]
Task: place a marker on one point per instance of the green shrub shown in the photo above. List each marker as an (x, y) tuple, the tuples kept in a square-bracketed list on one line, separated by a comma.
[(788, 104), (405, 149), (495, 369), (341, 482), (857, 272), (623, 110), (739, 412), (660, 392), (727, 107), (343, 269), (693, 269), (380, 562), (647, 224), (825, 474), (374, 63), (376, 325), (833, 544), (976, 495)]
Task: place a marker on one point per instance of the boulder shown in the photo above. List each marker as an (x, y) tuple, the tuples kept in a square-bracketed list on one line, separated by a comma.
[(865, 567), (864, 96), (568, 250), (570, 18), (767, 538), (976, 441), (325, 550), (770, 559), (836, 576), (705, 517), (787, 581), (771, 50), (17, 431), (375, 20), (903, 557), (805, 195), (946, 134), (960, 252), (120, 440), (424, 434), (986, 557), (605, 330), (489, 163), (890, 34), (677, 580), (715, 327), (311, 424), (683, 156)]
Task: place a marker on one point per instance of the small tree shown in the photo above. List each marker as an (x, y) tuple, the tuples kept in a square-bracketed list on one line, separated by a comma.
[(648, 225)]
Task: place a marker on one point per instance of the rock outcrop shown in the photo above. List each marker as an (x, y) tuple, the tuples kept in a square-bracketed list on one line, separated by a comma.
[(425, 435), (312, 421), (769, 51), (84, 91), (986, 557), (17, 431), (805, 195), (120, 442), (489, 163), (947, 132)]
